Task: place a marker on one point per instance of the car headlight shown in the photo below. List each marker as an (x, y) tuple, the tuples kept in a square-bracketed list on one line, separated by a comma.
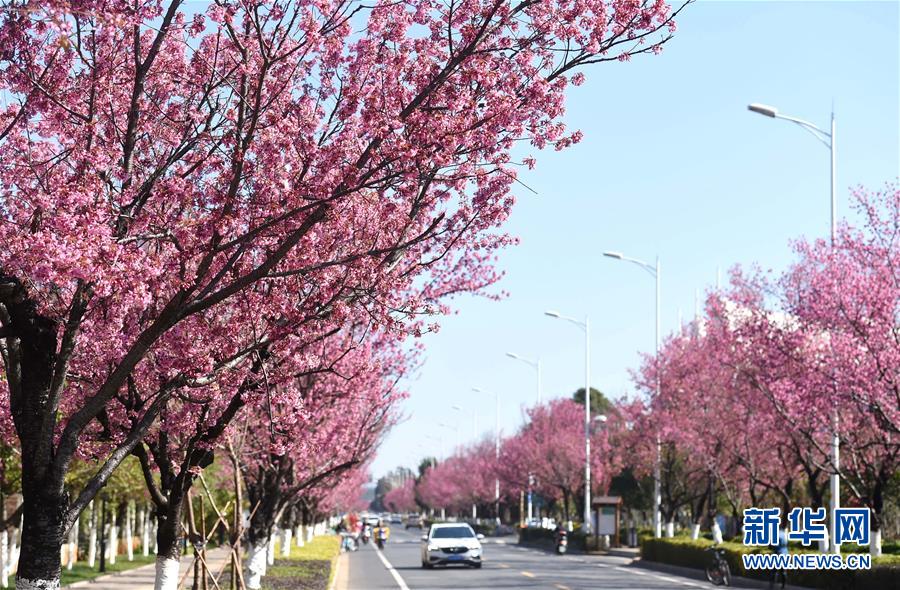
[(433, 547)]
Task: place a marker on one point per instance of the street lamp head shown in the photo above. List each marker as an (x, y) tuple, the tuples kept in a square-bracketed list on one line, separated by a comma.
[(616, 255), (553, 314), (600, 418), (512, 355), (456, 408), (478, 390), (762, 109)]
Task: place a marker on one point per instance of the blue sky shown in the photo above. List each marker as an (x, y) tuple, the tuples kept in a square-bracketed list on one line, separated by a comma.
[(671, 163)]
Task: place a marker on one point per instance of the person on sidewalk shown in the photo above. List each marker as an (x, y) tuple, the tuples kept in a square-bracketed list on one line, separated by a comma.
[(780, 575)]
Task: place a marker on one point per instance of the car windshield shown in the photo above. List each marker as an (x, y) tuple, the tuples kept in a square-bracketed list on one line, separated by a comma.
[(452, 532)]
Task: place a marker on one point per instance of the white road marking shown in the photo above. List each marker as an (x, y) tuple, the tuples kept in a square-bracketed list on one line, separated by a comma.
[(393, 572)]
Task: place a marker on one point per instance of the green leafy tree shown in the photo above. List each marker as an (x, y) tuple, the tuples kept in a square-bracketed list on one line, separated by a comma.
[(600, 404)]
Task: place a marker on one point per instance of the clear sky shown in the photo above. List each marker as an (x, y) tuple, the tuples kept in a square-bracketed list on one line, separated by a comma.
[(673, 164)]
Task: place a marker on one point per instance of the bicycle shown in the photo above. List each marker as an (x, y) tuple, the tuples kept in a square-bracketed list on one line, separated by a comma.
[(717, 571)]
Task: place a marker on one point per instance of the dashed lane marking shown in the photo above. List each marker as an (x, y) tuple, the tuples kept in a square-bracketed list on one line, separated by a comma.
[(393, 572), (528, 575), (562, 587), (503, 565)]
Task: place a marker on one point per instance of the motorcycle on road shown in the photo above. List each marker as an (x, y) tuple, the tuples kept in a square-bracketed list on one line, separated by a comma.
[(562, 542)]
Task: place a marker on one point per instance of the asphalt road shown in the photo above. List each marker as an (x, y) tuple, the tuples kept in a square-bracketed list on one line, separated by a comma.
[(505, 566)]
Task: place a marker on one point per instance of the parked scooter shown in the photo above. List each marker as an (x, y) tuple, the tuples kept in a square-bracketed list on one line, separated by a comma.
[(562, 541), (348, 542)]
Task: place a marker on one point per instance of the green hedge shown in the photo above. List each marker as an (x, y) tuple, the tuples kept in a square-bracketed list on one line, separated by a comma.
[(685, 552)]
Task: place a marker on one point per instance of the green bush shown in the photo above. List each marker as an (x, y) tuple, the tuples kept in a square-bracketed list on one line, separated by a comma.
[(685, 552)]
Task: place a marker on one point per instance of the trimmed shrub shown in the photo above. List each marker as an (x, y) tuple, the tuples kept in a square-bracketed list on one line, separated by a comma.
[(685, 552)]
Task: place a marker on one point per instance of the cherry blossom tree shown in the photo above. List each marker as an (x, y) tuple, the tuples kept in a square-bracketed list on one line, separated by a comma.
[(322, 427), (462, 481), (841, 350), (172, 179), (402, 498), (550, 446)]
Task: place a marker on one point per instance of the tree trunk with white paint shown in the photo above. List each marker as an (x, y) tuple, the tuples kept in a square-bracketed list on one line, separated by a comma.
[(14, 548), (4, 559), (298, 534), (92, 537), (112, 547), (129, 533), (72, 550), (166, 573), (286, 538), (256, 565), (716, 532), (670, 529), (695, 531), (142, 529), (270, 549), (875, 543)]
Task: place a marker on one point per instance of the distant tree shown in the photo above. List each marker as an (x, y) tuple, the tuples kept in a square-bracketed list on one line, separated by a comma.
[(600, 404), (636, 492)]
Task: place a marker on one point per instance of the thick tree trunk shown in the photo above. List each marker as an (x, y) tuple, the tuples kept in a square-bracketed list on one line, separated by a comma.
[(42, 538), (267, 499), (168, 543)]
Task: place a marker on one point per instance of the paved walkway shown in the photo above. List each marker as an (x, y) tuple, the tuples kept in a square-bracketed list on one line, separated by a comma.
[(141, 578)]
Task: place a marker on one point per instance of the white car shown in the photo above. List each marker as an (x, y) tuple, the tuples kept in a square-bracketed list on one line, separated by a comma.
[(448, 543)]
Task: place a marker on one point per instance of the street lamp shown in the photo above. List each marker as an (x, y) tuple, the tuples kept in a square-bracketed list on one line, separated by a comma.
[(586, 326), (825, 137), (474, 420), (535, 364), (828, 139), (655, 273), (496, 447)]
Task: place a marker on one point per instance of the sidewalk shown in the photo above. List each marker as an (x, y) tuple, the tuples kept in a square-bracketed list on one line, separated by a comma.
[(341, 578), (141, 578)]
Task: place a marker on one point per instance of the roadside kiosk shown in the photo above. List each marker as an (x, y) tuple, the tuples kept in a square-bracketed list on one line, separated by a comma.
[(605, 513)]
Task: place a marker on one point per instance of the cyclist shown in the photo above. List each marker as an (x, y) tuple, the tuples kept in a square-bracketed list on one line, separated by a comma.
[(779, 575)]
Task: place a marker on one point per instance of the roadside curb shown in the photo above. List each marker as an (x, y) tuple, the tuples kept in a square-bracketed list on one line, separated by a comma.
[(341, 565)]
